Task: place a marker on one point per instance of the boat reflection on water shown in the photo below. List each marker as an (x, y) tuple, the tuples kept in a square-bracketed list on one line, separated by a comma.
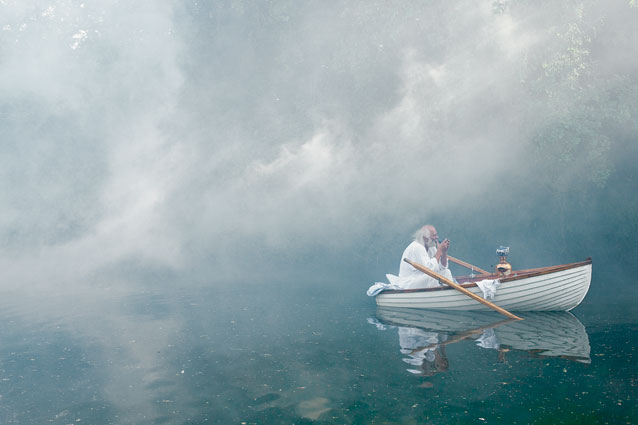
[(424, 334)]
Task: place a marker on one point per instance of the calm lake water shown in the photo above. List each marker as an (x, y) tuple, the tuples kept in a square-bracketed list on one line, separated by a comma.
[(113, 352)]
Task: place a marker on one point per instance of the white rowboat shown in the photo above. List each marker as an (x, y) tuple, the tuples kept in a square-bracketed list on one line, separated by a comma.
[(554, 288)]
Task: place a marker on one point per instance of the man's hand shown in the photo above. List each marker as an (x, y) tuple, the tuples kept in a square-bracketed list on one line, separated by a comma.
[(441, 252), (443, 246)]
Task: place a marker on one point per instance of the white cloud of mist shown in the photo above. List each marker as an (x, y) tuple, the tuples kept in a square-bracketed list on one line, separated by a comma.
[(86, 161), (174, 133)]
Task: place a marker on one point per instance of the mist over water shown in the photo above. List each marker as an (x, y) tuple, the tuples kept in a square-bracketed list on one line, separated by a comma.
[(153, 150), (176, 134)]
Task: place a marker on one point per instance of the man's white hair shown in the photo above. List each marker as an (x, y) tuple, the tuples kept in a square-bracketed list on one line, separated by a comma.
[(423, 233)]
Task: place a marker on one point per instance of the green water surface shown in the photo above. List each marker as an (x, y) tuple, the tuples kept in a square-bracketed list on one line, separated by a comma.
[(289, 353)]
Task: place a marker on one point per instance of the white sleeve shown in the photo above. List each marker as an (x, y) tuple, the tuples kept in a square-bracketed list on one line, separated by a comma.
[(433, 264), (420, 255), (429, 262)]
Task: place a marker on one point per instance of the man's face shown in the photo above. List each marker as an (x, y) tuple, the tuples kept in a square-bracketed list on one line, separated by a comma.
[(433, 239)]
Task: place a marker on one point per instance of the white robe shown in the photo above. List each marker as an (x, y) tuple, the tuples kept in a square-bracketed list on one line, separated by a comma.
[(411, 278)]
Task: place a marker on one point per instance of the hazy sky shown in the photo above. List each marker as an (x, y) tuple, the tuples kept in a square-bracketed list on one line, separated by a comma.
[(170, 133)]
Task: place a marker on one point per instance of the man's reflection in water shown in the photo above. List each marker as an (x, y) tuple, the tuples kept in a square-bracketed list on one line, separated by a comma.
[(423, 350)]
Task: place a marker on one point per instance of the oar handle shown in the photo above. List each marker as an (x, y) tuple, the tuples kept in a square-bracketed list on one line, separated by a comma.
[(468, 265), (461, 289)]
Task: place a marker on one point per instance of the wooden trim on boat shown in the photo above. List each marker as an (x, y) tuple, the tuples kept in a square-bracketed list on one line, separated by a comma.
[(516, 275), (544, 270)]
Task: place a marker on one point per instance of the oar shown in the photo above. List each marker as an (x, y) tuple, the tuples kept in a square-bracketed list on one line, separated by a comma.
[(468, 265), (461, 289)]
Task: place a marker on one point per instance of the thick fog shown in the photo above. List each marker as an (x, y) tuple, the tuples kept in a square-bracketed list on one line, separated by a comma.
[(241, 139)]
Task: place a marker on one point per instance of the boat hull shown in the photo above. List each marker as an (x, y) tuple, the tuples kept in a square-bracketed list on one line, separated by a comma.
[(558, 288)]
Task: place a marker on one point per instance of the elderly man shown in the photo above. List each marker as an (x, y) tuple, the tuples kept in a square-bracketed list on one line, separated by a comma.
[(425, 250)]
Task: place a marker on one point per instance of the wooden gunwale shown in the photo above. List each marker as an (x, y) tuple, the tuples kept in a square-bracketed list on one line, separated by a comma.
[(516, 275)]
